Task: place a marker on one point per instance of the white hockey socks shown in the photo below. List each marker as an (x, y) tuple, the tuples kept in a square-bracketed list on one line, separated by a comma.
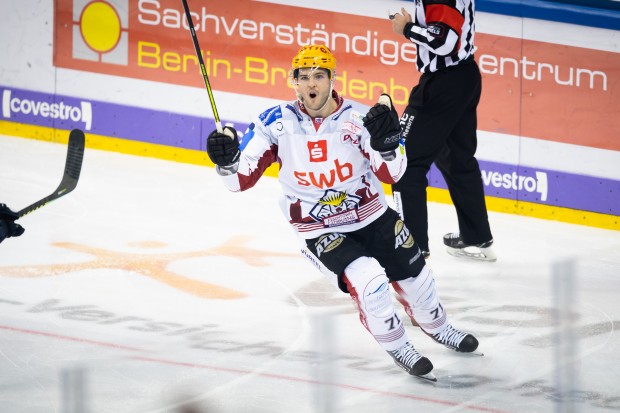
[(421, 302), (370, 289)]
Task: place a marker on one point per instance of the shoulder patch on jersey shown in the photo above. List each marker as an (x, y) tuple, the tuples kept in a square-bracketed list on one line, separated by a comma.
[(293, 108), (281, 127), (270, 115)]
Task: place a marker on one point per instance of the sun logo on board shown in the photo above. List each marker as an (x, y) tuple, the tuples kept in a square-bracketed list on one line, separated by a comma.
[(100, 31)]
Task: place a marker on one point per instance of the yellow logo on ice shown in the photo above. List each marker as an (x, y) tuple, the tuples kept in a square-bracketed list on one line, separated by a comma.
[(155, 266)]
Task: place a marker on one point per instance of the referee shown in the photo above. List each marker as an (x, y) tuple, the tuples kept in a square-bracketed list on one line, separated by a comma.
[(439, 124)]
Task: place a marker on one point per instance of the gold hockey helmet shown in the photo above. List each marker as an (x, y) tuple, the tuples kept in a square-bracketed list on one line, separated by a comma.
[(314, 56)]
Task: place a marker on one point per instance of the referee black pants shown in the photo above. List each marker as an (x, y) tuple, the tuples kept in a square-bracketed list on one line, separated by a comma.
[(439, 125)]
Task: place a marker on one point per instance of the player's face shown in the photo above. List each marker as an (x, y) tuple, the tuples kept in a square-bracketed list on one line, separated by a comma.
[(313, 89)]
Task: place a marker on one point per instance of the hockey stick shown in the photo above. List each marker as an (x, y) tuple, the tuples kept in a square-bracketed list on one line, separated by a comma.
[(73, 166), (218, 124)]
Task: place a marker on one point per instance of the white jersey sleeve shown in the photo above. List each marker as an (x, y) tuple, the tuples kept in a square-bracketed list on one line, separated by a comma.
[(258, 152), (330, 176)]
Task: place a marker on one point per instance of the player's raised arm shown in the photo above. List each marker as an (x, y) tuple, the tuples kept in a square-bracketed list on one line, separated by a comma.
[(388, 159)]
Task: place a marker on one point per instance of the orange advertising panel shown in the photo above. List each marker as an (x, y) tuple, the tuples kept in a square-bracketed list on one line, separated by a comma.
[(533, 89), (560, 93)]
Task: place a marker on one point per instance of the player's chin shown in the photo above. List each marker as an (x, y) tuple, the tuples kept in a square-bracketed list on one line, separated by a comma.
[(313, 105)]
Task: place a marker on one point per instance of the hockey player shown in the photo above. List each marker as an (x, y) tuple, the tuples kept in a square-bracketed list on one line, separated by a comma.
[(8, 227), (333, 154)]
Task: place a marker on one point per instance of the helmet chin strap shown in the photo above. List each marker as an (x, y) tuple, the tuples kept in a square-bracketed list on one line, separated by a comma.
[(300, 98)]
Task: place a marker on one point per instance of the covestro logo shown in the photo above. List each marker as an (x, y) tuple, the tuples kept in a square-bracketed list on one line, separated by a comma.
[(517, 182), (13, 105)]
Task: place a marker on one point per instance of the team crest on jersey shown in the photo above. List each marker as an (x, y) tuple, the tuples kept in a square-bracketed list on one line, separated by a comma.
[(336, 208), (403, 236)]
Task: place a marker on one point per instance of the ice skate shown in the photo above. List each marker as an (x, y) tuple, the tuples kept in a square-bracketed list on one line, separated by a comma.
[(457, 248), (456, 340), (413, 362)]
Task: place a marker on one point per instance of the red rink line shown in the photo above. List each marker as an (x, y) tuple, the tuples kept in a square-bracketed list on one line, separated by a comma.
[(67, 338), (342, 386), (265, 375)]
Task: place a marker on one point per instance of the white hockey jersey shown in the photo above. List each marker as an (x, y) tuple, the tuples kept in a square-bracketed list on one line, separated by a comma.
[(330, 176)]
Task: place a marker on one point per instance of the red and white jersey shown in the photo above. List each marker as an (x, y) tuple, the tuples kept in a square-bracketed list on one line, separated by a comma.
[(330, 176)]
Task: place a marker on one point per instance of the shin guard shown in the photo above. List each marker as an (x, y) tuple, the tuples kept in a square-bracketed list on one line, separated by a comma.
[(370, 289), (421, 301)]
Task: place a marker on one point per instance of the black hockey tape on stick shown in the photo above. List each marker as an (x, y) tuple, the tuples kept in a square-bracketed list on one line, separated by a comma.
[(216, 116), (73, 167)]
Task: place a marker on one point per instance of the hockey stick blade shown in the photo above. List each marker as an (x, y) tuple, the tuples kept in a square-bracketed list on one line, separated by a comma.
[(73, 167)]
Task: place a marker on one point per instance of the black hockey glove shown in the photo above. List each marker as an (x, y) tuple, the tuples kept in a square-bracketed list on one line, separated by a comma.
[(383, 125), (8, 227), (223, 147)]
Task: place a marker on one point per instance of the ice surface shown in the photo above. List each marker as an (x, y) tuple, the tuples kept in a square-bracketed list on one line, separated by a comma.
[(151, 288)]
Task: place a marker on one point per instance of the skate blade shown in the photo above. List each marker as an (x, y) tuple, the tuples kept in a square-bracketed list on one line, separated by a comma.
[(428, 376), (474, 253), (473, 353)]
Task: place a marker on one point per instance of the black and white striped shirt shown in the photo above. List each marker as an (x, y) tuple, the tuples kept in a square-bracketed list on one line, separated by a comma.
[(444, 32)]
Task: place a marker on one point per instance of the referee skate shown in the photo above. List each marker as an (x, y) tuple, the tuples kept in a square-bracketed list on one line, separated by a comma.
[(456, 247)]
